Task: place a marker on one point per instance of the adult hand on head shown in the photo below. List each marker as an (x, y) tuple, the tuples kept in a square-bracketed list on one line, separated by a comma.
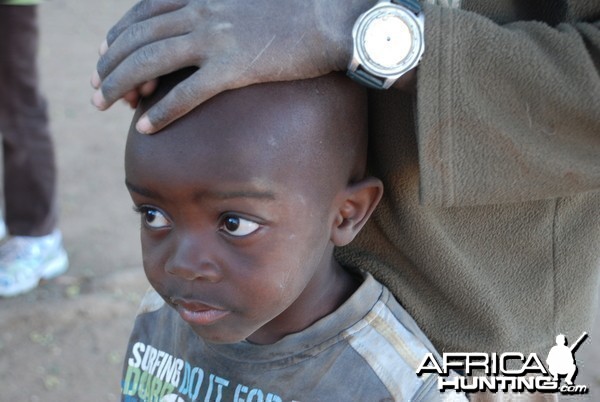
[(233, 43)]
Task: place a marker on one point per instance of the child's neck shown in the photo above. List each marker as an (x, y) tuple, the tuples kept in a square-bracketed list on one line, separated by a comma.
[(340, 287)]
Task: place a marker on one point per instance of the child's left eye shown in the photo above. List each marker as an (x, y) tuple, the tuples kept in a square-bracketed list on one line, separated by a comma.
[(237, 226)]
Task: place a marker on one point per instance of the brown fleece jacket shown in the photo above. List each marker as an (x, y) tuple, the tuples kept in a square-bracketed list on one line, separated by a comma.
[(489, 232)]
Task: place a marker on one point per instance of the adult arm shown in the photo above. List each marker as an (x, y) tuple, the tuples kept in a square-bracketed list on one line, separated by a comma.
[(510, 112), (506, 112)]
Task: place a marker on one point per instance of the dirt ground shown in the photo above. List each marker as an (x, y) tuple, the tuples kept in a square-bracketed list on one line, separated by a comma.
[(65, 340)]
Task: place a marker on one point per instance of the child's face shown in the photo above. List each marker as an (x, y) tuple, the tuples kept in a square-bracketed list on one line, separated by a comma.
[(238, 241)]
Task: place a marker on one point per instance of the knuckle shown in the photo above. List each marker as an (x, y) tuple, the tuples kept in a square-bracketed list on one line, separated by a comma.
[(205, 10), (143, 57), (141, 8), (135, 32), (184, 93), (138, 10)]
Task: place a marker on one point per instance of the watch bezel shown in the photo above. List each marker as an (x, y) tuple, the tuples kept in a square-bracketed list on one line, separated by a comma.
[(362, 59)]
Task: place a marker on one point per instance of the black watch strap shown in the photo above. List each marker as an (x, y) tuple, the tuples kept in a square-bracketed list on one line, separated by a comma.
[(412, 5), (366, 79)]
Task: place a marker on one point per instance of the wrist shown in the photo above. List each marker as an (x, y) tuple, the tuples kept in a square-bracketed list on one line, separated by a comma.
[(407, 82)]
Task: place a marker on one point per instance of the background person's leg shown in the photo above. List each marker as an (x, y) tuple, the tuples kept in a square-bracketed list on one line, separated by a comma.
[(29, 168), (34, 249)]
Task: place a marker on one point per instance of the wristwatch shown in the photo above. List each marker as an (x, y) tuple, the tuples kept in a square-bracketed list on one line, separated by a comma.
[(388, 42)]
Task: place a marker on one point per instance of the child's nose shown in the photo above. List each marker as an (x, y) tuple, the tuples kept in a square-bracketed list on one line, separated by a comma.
[(194, 258)]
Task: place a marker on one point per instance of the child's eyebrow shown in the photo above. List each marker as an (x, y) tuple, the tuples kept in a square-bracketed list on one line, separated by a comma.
[(199, 195), (142, 191), (225, 195)]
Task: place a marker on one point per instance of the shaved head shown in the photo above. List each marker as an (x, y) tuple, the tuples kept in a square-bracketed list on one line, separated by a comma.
[(314, 129)]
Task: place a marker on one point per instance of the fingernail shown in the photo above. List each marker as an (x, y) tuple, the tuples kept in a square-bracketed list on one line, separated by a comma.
[(103, 47), (144, 126), (95, 81), (98, 100)]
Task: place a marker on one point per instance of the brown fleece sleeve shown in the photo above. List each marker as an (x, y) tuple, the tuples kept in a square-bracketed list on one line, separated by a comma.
[(507, 113)]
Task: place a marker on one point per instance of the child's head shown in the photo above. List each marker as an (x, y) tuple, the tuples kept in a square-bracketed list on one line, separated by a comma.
[(243, 199)]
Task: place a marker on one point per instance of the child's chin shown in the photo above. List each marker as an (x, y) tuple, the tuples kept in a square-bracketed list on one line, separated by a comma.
[(218, 338)]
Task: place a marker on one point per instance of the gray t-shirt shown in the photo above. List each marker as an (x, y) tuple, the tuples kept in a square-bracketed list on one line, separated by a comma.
[(367, 350)]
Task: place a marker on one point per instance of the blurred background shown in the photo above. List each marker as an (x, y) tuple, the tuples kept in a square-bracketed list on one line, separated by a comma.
[(65, 340)]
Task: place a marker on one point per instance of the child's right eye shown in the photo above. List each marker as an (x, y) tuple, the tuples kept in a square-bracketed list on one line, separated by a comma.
[(153, 218)]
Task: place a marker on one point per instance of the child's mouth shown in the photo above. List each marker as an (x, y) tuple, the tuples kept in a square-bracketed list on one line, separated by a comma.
[(198, 313)]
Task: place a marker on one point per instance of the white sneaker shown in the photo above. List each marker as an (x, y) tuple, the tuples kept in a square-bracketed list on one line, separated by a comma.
[(24, 260)]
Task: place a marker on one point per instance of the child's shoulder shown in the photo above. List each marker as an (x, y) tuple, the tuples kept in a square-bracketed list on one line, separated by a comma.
[(387, 334)]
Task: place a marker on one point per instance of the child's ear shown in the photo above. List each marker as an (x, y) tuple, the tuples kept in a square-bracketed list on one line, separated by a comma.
[(356, 204)]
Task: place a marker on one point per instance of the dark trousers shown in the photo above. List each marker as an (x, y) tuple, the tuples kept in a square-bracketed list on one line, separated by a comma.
[(28, 152)]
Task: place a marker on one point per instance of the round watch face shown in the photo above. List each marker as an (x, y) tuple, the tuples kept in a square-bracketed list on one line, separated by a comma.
[(389, 40)]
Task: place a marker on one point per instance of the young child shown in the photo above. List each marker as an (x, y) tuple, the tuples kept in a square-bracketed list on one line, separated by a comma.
[(242, 202)]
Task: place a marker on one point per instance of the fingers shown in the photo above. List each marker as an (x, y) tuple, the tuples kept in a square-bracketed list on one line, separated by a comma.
[(103, 48), (141, 11), (95, 81), (143, 65), (200, 86), (132, 98), (148, 88), (140, 34)]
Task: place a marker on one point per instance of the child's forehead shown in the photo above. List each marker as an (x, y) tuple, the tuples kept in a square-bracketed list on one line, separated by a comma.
[(241, 136), (264, 120)]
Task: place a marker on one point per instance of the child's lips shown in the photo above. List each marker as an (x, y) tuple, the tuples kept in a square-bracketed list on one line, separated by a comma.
[(198, 313)]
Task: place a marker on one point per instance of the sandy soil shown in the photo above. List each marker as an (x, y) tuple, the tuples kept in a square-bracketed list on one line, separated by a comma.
[(65, 340)]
